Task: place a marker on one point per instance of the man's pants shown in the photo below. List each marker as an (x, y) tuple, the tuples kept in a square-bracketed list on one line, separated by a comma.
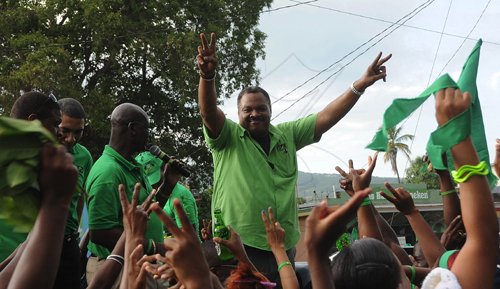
[(265, 262), (68, 274)]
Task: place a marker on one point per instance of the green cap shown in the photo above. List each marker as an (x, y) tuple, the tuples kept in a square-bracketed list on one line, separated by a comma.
[(151, 165)]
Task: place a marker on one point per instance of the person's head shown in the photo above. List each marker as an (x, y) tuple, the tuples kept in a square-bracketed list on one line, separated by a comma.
[(366, 263), (72, 122), (243, 277), (129, 128), (36, 105), (418, 255), (254, 110)]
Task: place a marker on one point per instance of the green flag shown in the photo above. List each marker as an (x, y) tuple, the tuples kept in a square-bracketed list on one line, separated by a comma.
[(468, 123)]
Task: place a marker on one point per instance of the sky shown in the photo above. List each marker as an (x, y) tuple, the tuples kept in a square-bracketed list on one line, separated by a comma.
[(304, 40)]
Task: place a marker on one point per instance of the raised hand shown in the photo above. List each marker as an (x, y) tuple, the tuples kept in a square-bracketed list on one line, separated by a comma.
[(206, 230), (373, 73), (324, 225), (450, 102), (184, 252), (359, 179), (402, 199), (135, 216), (454, 236), (58, 176), (137, 270), (206, 59), (274, 232), (234, 244)]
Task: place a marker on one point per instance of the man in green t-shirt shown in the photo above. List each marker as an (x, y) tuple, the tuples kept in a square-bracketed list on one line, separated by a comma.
[(30, 106), (171, 189), (70, 133), (255, 163), (129, 135)]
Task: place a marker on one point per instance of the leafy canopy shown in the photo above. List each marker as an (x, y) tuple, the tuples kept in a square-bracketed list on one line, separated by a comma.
[(106, 52)]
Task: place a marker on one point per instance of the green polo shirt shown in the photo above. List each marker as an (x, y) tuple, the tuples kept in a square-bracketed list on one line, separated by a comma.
[(247, 181), (188, 203), (83, 162), (104, 207)]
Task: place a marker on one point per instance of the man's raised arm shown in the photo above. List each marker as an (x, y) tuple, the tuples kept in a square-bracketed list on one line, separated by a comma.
[(213, 117), (340, 106)]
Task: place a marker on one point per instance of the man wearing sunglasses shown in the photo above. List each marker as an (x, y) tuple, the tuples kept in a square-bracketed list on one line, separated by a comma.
[(129, 135)]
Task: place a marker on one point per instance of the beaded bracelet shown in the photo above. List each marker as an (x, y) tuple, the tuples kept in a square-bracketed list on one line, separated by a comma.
[(449, 192), (355, 91), (463, 174), (283, 264), (117, 258)]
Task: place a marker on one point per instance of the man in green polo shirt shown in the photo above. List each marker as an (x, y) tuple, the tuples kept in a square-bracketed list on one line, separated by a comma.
[(30, 106), (129, 135), (255, 163), (171, 189), (70, 132)]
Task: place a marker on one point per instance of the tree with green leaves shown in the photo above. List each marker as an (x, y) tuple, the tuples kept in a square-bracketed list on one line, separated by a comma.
[(106, 52), (418, 173), (395, 144)]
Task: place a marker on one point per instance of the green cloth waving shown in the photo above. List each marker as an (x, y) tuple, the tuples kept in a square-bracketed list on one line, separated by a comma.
[(468, 123)]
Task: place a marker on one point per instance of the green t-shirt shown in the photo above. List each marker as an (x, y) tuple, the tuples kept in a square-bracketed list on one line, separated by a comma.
[(83, 162), (247, 181), (104, 207), (188, 203)]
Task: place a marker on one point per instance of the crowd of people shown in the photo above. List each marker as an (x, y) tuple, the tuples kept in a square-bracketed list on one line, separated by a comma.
[(143, 223)]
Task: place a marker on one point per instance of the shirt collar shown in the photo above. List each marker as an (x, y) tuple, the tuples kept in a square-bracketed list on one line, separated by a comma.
[(120, 159)]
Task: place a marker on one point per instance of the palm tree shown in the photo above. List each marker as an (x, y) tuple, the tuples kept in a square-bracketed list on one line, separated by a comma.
[(395, 144)]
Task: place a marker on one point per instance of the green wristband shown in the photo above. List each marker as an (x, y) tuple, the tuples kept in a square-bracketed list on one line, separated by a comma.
[(412, 273), (449, 192), (283, 264), (366, 202), (463, 174)]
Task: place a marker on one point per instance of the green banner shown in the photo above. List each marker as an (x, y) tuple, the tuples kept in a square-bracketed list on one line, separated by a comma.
[(442, 139)]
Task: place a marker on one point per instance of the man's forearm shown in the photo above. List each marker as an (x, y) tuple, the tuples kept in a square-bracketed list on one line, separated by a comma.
[(106, 238)]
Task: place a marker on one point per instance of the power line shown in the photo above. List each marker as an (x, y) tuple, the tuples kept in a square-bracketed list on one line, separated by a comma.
[(421, 7), (470, 32), (289, 6), (356, 49), (390, 22), (428, 81)]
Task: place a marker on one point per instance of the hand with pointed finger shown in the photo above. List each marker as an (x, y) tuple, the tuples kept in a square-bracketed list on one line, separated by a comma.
[(274, 232), (401, 199), (135, 217), (207, 59), (373, 73), (137, 271), (325, 225), (450, 102), (184, 252), (361, 179)]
